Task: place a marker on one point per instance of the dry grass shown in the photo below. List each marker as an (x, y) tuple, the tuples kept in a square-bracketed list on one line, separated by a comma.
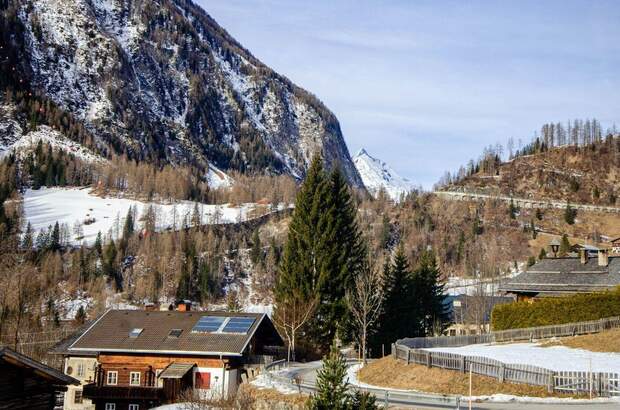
[(608, 341), (273, 396), (389, 372)]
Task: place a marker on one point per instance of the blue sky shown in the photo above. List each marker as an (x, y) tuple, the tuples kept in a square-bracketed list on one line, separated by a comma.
[(425, 85)]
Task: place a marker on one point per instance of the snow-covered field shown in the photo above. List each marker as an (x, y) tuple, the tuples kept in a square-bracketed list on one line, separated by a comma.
[(555, 358), (74, 206)]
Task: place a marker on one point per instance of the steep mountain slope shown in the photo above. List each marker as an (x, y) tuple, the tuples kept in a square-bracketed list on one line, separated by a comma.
[(160, 80), (378, 175)]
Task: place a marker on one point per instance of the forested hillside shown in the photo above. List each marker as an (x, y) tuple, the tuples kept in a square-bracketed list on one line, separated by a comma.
[(577, 162)]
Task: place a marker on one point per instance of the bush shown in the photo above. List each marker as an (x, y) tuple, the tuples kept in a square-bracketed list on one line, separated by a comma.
[(555, 311)]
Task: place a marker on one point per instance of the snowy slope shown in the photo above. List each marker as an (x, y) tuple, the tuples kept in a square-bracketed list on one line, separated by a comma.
[(376, 174), (45, 206)]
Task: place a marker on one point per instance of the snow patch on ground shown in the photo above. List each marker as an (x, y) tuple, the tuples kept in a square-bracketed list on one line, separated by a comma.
[(508, 398), (556, 358), (378, 175), (45, 206), (216, 178), (264, 381)]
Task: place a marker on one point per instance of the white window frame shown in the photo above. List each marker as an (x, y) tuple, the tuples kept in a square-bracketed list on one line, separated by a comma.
[(76, 393), (110, 406), (80, 369), (134, 407), (107, 380), (131, 380)]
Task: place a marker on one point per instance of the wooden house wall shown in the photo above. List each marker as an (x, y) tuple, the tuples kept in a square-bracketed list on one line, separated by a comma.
[(23, 389)]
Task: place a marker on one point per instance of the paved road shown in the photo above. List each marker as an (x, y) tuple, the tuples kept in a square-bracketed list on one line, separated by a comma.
[(524, 202), (307, 373)]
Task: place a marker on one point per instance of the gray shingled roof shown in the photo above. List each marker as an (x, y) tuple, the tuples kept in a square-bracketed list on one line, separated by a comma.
[(19, 360), (110, 333), (566, 275)]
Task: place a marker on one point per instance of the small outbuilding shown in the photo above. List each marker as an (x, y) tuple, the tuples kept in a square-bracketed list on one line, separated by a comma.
[(28, 384)]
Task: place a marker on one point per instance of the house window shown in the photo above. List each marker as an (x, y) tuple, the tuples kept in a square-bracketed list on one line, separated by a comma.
[(111, 381), (134, 407), (80, 369), (77, 397), (110, 406), (134, 378), (203, 380)]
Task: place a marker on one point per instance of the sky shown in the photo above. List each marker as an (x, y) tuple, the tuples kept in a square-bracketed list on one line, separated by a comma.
[(426, 85)]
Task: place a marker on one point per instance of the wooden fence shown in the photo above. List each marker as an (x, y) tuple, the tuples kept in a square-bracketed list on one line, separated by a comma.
[(514, 335), (594, 383)]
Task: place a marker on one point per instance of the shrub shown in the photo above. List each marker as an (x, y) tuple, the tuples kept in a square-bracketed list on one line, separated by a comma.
[(555, 311)]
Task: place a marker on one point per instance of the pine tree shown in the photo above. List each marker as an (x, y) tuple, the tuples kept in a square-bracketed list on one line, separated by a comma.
[(128, 227), (543, 254), (429, 295), (399, 317), (570, 214), (256, 253), (55, 237), (512, 210), (27, 240), (564, 246), (99, 244), (322, 252), (80, 316), (332, 391)]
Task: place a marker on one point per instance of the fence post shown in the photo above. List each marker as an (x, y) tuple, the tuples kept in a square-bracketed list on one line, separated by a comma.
[(408, 355), (501, 372), (551, 382), (463, 369), (428, 359), (394, 354)]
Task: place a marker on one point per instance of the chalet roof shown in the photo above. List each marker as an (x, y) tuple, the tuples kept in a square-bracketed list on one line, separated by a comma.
[(562, 275), (19, 360), (152, 334)]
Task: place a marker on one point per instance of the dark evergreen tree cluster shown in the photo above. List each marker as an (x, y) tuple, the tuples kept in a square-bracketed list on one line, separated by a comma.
[(413, 301)]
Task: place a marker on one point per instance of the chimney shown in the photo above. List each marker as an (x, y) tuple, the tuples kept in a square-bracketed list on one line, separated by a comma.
[(583, 254), (184, 305), (603, 259)]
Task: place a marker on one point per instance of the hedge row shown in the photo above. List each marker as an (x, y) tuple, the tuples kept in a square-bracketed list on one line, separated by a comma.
[(556, 311)]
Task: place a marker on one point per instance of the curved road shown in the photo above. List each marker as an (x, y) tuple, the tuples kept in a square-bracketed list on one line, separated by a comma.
[(306, 373)]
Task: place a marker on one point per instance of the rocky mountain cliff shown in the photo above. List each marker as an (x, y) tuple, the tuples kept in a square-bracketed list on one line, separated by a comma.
[(160, 80)]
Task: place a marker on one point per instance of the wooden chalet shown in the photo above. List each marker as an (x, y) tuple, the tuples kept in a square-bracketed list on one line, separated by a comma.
[(564, 276), (146, 358), (30, 385)]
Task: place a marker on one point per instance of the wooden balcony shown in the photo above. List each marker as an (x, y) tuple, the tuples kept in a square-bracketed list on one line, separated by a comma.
[(94, 392)]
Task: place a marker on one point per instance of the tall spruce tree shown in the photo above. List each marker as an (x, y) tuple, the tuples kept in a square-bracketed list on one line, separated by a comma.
[(323, 252)]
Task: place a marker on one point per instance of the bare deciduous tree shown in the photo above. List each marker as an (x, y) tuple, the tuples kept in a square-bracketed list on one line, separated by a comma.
[(364, 302), (290, 315)]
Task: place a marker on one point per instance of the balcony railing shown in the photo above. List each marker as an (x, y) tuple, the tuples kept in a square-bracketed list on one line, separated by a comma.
[(93, 391)]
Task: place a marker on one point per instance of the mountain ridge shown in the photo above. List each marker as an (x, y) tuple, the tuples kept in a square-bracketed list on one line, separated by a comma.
[(161, 81)]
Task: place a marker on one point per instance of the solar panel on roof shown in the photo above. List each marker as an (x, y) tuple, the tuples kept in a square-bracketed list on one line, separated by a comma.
[(208, 324), (238, 325)]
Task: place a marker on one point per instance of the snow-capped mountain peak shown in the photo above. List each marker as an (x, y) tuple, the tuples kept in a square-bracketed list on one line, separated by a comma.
[(376, 174)]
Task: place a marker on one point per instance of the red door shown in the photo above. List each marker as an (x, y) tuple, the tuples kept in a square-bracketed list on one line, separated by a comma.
[(203, 380)]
